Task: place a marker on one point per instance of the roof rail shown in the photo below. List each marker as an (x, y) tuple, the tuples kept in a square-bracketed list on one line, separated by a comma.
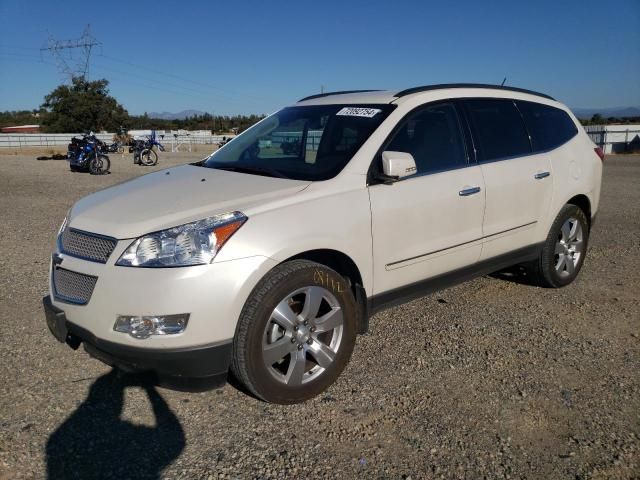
[(320, 95), (441, 86)]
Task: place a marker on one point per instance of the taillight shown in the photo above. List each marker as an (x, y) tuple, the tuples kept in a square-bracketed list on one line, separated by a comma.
[(599, 152)]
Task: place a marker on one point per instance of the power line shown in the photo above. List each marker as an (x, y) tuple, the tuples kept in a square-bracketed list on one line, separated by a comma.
[(18, 47), (197, 93), (184, 79), (27, 59), (13, 54), (129, 81)]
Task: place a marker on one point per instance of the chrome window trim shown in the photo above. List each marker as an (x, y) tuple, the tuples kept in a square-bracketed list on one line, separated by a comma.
[(485, 237)]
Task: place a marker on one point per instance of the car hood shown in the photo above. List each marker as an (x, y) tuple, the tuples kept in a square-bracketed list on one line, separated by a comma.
[(172, 197)]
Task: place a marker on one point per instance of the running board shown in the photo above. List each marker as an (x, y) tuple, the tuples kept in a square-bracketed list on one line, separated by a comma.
[(401, 295)]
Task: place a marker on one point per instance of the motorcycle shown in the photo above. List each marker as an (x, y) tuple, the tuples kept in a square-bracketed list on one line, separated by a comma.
[(87, 154), (144, 152), (290, 147), (115, 147)]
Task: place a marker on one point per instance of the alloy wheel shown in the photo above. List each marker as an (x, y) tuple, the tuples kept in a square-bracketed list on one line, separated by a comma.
[(569, 246), (303, 335)]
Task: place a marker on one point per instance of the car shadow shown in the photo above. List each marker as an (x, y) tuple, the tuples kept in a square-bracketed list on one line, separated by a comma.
[(94, 442), (516, 274)]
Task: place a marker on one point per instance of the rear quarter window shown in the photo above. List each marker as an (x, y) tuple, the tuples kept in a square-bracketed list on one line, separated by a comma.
[(549, 127)]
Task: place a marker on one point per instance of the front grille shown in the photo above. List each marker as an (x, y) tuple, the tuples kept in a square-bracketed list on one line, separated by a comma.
[(88, 246), (73, 287)]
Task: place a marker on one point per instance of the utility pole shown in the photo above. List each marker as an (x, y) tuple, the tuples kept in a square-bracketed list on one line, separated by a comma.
[(79, 68)]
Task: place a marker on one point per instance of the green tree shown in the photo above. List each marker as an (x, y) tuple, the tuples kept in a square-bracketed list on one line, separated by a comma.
[(83, 105)]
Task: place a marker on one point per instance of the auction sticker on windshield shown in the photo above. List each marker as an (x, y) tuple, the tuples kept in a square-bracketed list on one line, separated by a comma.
[(359, 112)]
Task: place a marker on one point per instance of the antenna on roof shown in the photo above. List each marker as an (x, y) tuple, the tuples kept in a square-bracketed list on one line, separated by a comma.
[(503, 80)]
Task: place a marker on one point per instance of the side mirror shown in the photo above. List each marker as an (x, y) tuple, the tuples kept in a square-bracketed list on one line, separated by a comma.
[(397, 165)]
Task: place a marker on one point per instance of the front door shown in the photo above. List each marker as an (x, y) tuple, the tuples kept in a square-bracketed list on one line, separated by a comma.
[(431, 222)]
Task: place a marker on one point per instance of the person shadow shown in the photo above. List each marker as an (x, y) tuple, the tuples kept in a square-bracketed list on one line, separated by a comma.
[(94, 442)]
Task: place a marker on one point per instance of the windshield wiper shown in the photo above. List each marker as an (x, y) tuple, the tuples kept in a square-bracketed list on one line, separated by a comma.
[(267, 172)]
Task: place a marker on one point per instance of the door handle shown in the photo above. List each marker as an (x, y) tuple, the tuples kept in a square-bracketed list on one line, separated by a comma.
[(541, 175), (465, 192)]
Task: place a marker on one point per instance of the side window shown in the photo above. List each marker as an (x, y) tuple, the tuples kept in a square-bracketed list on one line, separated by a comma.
[(549, 127), (434, 138), (498, 128)]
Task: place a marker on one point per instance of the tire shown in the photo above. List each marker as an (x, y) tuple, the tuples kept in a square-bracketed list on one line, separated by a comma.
[(564, 250), (278, 357), (120, 149), (99, 165), (148, 157)]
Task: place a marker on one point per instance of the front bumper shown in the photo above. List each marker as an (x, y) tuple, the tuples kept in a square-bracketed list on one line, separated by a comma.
[(181, 368), (213, 295)]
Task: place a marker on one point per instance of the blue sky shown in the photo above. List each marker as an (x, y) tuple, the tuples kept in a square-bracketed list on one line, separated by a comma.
[(253, 57)]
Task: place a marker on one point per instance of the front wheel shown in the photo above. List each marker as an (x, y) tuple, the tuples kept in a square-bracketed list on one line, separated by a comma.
[(99, 165), (148, 157), (296, 333), (564, 249)]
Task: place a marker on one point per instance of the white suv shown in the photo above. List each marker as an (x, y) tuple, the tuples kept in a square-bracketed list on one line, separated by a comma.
[(268, 257)]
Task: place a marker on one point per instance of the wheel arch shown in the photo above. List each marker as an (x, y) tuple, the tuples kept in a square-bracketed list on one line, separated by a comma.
[(345, 266), (582, 201)]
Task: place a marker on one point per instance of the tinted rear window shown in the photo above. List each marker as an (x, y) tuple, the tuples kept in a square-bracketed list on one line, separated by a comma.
[(498, 129), (549, 127)]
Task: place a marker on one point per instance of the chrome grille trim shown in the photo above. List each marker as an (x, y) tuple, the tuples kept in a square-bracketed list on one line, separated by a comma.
[(72, 287), (85, 245)]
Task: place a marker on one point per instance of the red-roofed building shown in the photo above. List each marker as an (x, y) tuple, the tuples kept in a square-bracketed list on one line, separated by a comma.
[(22, 129)]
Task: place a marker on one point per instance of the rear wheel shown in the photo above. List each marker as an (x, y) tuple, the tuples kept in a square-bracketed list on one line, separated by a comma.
[(564, 250), (296, 333), (148, 157)]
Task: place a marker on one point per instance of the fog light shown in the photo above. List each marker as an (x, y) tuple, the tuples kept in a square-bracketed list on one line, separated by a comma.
[(147, 325)]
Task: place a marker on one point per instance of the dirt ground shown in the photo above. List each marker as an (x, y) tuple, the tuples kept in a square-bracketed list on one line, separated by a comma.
[(491, 379), (34, 152)]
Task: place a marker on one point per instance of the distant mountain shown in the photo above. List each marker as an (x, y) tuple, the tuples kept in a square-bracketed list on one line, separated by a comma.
[(175, 116), (619, 112)]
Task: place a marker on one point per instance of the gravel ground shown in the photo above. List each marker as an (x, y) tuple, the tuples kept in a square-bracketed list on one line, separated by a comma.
[(493, 378)]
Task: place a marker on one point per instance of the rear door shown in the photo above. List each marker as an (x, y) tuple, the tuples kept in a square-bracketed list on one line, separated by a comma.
[(518, 183), (431, 222)]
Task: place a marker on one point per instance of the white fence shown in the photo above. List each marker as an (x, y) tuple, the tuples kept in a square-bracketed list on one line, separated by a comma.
[(615, 138), (20, 140)]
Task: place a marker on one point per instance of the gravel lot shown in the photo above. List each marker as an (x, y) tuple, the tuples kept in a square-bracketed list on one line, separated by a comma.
[(493, 378)]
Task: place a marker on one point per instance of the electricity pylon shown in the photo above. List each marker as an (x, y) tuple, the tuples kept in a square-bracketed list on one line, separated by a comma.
[(78, 67)]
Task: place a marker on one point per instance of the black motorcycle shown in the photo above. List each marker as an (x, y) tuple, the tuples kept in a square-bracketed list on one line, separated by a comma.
[(87, 154)]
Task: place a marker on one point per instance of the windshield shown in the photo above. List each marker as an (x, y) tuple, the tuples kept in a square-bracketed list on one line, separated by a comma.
[(303, 143)]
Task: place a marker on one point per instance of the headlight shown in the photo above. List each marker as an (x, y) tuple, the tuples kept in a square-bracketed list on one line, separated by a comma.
[(195, 243)]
